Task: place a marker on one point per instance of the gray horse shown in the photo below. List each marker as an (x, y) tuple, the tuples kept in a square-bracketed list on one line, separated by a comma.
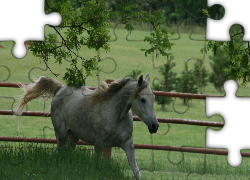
[(100, 117)]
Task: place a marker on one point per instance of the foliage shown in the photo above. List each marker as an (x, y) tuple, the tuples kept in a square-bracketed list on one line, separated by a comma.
[(239, 54), (167, 82), (85, 24), (205, 12), (186, 83), (158, 38), (91, 18), (219, 61), (201, 74)]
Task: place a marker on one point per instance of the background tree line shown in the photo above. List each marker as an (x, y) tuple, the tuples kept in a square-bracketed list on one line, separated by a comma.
[(172, 12)]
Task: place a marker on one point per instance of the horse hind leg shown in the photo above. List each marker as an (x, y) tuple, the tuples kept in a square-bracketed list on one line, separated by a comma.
[(61, 139), (72, 140), (60, 131), (65, 137)]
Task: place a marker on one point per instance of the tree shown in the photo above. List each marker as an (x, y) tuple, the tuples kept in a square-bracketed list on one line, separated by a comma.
[(186, 83), (167, 82), (219, 61), (174, 11), (86, 25), (92, 19), (200, 73)]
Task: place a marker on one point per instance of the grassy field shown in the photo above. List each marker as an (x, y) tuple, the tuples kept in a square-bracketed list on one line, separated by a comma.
[(43, 162), (127, 55)]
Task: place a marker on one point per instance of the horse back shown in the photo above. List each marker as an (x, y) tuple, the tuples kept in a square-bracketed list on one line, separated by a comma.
[(70, 99)]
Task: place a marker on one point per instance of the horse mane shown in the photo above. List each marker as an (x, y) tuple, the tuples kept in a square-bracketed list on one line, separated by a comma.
[(105, 92)]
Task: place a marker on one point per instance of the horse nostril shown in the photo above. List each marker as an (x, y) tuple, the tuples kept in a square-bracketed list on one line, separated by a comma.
[(153, 128)]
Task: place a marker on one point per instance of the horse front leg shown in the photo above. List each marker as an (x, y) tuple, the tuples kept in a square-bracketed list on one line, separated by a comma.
[(128, 147), (98, 147)]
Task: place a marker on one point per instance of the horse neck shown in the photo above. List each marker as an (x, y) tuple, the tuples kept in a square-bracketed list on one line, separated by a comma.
[(123, 96)]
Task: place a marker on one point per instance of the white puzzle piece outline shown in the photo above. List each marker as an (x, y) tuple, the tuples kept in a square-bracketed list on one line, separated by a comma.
[(235, 13), (235, 134), (27, 23)]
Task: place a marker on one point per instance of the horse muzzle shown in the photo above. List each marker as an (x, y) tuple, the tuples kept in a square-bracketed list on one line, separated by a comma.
[(153, 127)]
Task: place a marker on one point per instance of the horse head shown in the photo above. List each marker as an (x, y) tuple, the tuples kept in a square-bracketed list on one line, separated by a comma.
[(143, 104)]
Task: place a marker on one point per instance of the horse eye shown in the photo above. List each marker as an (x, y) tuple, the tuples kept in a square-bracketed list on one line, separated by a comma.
[(143, 100)]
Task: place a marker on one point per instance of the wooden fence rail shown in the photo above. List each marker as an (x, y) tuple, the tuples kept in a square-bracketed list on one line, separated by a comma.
[(136, 146), (107, 151)]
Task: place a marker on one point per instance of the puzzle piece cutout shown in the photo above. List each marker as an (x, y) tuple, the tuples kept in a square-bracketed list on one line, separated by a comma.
[(235, 111), (235, 13), (27, 23)]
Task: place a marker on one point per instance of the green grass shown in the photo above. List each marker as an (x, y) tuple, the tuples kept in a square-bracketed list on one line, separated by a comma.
[(45, 162), (127, 55)]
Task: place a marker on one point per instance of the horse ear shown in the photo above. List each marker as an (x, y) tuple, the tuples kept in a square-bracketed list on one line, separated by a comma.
[(140, 80), (147, 77)]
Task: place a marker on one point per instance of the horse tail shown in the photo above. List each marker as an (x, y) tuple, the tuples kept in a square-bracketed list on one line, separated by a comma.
[(45, 86)]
